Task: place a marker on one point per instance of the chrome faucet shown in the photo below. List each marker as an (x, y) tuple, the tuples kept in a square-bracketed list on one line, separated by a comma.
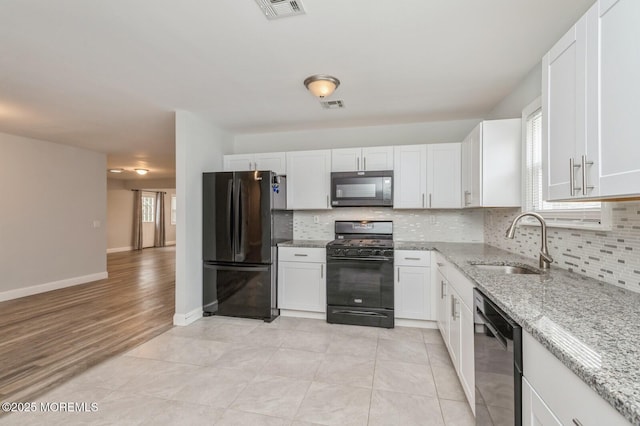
[(545, 259)]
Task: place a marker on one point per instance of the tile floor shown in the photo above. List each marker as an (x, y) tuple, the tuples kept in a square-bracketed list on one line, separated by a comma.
[(294, 371)]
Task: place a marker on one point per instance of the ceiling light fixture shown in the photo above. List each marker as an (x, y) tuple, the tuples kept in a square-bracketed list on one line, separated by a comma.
[(141, 172), (116, 170), (321, 85)]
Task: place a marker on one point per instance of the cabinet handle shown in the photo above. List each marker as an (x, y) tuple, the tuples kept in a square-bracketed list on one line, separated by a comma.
[(576, 422), (411, 258), (453, 306), (321, 270), (365, 163), (398, 274), (572, 177), (327, 201), (466, 198), (250, 166), (300, 255), (429, 200), (441, 289), (585, 184), (358, 163), (422, 200)]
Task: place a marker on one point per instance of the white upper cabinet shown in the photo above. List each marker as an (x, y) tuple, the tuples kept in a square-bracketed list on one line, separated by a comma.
[(362, 159), (308, 180), (591, 99), (569, 139), (410, 177), (238, 162), (492, 164), (443, 176), (274, 161), (619, 78)]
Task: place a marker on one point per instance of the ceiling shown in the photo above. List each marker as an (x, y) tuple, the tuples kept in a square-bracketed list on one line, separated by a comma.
[(108, 74)]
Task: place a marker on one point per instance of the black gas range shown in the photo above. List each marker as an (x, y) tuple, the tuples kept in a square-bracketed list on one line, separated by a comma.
[(360, 274)]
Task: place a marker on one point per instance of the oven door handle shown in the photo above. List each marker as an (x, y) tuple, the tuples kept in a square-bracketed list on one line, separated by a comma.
[(361, 313), (499, 337), (367, 259)]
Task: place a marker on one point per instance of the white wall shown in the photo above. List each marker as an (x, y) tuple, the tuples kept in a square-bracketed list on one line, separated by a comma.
[(525, 93), (120, 215), (51, 196), (199, 148), (400, 134)]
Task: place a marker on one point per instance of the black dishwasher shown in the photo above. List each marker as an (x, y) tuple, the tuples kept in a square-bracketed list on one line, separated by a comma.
[(498, 365)]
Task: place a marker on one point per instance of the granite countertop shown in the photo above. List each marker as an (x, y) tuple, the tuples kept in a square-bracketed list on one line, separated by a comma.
[(304, 243), (591, 326)]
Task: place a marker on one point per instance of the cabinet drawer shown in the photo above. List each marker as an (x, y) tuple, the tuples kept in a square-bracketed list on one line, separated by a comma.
[(563, 392), (412, 258), (302, 254)]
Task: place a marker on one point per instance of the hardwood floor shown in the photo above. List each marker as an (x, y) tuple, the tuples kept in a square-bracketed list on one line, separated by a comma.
[(48, 338)]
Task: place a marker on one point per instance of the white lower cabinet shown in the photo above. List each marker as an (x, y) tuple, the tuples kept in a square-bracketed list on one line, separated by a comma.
[(534, 411), (302, 279), (556, 396), (412, 286), (454, 314)]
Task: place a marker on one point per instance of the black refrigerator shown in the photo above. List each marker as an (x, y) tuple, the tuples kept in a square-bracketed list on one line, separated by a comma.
[(244, 218)]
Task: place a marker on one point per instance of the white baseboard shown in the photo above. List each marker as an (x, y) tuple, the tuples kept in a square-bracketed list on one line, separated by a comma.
[(303, 314), (119, 249), (188, 318), (415, 323), (170, 243), (54, 285)]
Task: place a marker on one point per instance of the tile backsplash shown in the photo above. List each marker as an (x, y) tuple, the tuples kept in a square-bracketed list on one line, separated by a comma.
[(611, 256), (408, 225)]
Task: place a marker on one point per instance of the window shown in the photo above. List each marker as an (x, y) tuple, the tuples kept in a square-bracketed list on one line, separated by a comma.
[(567, 215), (173, 209), (148, 202)]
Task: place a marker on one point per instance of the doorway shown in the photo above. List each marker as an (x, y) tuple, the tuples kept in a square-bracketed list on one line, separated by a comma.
[(148, 219)]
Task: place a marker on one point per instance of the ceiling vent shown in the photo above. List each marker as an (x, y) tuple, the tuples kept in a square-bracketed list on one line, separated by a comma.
[(332, 104), (274, 9)]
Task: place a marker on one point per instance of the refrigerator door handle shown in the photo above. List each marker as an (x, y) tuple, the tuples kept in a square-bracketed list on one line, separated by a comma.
[(230, 223), (236, 218), (241, 234)]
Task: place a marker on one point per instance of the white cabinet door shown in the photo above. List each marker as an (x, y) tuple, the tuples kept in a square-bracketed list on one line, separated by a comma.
[(467, 361), (346, 160), (377, 158), (238, 162), (534, 411), (302, 286), (570, 103), (442, 306), (563, 100), (410, 177), (472, 168), (443, 176), (413, 293), (274, 161), (308, 179), (620, 97), (454, 328)]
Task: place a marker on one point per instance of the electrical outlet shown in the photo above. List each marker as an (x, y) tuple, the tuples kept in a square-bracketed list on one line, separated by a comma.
[(316, 219), (96, 224)]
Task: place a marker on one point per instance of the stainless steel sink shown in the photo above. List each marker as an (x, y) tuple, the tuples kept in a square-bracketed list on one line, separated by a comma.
[(507, 269)]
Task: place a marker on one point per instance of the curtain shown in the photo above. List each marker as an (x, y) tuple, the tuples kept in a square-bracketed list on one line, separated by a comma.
[(137, 220), (159, 238)]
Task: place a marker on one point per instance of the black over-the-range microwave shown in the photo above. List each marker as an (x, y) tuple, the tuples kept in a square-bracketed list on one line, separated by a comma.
[(361, 189)]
